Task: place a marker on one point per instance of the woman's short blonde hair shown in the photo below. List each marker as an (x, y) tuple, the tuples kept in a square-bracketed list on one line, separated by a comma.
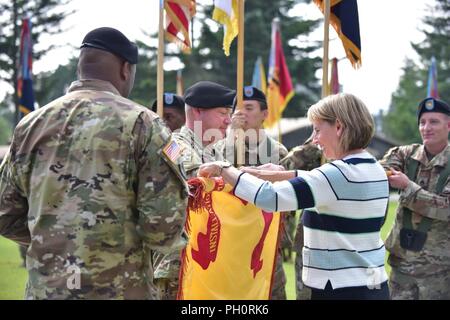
[(352, 113)]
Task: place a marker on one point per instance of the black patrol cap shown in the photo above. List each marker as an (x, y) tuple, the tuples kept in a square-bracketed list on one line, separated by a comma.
[(113, 41), (432, 105), (253, 93), (170, 100), (208, 95)]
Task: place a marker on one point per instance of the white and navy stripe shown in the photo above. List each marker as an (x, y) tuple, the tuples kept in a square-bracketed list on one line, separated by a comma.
[(346, 201)]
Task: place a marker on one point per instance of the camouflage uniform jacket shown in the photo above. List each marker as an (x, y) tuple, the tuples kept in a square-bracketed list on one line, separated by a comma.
[(421, 199), (87, 187), (168, 266), (268, 150), (192, 151), (304, 157)]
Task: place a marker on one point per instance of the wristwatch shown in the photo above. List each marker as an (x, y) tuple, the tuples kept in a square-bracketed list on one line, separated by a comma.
[(222, 165)]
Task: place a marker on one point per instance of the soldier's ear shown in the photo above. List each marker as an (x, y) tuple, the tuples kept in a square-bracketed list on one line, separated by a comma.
[(265, 113), (125, 71)]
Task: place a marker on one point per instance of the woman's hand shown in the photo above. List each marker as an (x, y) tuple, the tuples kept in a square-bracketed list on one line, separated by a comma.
[(210, 169), (271, 167)]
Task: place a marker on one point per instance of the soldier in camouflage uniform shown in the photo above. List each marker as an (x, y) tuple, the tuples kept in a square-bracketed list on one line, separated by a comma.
[(259, 149), (304, 157), (88, 186), (420, 239), (208, 107), (173, 110)]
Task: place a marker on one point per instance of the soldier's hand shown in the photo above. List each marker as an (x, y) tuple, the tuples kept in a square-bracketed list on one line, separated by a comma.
[(398, 179), (238, 120)]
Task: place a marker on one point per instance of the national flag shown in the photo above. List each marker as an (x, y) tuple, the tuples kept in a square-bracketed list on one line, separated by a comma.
[(180, 87), (226, 13), (344, 19), (24, 78), (231, 252), (259, 76), (432, 88), (334, 87), (172, 151), (280, 89), (178, 15)]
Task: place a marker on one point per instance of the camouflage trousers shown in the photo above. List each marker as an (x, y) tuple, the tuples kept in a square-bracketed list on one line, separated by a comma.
[(406, 287), (279, 280), (166, 274), (167, 289), (302, 292)]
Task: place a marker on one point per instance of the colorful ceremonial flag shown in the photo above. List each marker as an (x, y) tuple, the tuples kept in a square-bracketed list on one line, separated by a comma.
[(280, 89), (180, 87), (344, 19), (432, 88), (24, 78), (232, 246), (178, 15), (226, 13), (259, 76), (334, 87)]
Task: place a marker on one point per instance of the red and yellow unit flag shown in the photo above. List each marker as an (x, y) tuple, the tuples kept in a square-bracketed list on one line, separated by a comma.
[(24, 78), (231, 252), (279, 89), (178, 15), (344, 19)]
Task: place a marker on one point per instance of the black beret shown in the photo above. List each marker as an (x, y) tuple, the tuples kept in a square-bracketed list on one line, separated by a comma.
[(432, 105), (113, 41), (207, 94), (253, 93), (170, 100)]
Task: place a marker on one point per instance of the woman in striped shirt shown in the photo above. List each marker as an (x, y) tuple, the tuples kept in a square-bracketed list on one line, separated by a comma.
[(345, 202)]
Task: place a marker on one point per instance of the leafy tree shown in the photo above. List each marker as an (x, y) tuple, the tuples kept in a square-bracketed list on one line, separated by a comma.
[(45, 15), (53, 84), (401, 121)]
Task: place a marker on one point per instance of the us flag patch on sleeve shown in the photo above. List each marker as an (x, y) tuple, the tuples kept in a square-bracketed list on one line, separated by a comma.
[(172, 151)]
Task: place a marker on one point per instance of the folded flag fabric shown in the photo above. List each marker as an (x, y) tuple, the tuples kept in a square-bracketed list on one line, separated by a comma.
[(24, 79), (432, 87), (232, 245), (344, 19), (178, 15), (226, 13)]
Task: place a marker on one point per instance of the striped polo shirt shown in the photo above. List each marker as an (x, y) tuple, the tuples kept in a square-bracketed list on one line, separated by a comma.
[(345, 202)]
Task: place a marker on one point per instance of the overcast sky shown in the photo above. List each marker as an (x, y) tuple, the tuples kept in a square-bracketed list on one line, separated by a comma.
[(387, 28)]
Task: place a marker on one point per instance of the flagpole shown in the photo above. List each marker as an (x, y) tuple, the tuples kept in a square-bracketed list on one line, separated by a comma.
[(160, 70), (240, 82), (325, 47), (326, 13)]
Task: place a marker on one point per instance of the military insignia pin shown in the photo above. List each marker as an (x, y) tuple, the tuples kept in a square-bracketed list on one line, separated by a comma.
[(168, 98), (248, 91)]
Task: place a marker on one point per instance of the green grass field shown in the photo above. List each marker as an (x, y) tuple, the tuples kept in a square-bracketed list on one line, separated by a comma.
[(13, 277)]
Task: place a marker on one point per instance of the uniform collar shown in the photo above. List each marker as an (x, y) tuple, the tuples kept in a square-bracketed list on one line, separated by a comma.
[(438, 160), (190, 135), (93, 84)]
